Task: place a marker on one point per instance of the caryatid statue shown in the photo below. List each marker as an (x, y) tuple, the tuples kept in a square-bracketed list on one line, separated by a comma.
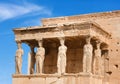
[(40, 55), (97, 64), (87, 56), (18, 58), (31, 59), (61, 62)]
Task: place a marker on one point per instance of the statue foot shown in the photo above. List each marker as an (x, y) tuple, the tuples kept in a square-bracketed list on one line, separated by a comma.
[(39, 73), (58, 73), (63, 73)]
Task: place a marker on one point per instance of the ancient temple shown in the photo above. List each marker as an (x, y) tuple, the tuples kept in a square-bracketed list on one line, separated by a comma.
[(70, 50)]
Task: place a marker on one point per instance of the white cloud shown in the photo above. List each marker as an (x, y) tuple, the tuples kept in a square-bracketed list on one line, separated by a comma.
[(8, 11)]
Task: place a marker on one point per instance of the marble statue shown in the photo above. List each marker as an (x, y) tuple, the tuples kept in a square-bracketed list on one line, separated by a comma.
[(18, 58), (87, 56), (97, 60), (31, 58), (40, 54), (61, 62)]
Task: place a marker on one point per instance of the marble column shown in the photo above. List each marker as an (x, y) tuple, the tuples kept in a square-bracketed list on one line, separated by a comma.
[(105, 64), (40, 55), (61, 61), (18, 58), (87, 56), (97, 64), (31, 60)]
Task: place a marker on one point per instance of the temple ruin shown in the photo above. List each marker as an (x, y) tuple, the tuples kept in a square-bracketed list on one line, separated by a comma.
[(81, 49)]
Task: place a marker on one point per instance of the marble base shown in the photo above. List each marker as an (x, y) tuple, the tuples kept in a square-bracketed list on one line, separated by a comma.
[(80, 78)]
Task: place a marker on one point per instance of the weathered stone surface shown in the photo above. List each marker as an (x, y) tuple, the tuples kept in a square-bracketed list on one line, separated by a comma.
[(56, 79), (87, 56), (97, 63), (61, 61), (100, 26), (40, 55), (18, 58)]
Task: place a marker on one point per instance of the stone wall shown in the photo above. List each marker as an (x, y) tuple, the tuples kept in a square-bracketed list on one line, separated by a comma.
[(56, 79), (74, 57), (114, 63), (109, 21)]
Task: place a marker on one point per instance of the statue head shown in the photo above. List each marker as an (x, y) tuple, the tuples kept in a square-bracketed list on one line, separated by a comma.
[(18, 44), (62, 40), (98, 44), (40, 41), (88, 39)]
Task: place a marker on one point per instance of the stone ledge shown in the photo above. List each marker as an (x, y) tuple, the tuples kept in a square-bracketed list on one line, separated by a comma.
[(77, 18), (56, 75)]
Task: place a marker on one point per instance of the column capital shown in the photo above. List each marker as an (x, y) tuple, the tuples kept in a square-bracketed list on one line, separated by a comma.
[(18, 41), (61, 38), (88, 39), (98, 41), (39, 39), (88, 36)]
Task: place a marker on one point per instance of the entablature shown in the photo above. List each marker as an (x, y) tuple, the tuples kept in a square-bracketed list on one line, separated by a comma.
[(66, 30)]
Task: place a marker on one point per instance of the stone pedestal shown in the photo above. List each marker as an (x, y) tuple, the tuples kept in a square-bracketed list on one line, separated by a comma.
[(80, 78)]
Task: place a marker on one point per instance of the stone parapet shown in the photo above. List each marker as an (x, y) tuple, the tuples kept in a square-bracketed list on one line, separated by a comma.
[(79, 18), (80, 78)]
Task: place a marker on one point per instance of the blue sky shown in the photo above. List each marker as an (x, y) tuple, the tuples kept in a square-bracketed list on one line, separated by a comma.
[(21, 13)]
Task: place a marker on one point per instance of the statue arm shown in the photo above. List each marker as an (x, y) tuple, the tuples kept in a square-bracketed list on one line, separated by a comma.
[(84, 49), (65, 49), (43, 54)]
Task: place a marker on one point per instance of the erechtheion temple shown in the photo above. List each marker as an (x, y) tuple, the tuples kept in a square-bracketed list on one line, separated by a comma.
[(81, 49)]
